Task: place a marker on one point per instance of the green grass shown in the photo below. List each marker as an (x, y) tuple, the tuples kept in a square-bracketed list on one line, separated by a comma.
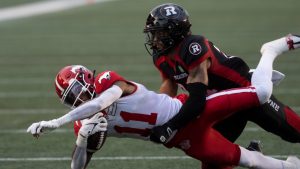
[(109, 36), (12, 3)]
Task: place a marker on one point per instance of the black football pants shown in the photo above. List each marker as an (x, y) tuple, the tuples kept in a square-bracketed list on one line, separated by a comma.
[(273, 116)]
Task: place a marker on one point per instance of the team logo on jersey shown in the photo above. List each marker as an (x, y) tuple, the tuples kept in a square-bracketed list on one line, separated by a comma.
[(195, 48), (105, 75)]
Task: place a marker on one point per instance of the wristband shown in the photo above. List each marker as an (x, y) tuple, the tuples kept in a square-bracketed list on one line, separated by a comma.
[(81, 141)]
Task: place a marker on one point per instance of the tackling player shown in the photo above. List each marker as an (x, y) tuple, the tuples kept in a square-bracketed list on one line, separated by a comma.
[(132, 111), (196, 64)]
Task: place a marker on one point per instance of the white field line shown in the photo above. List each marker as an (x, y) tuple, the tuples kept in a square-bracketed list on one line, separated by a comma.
[(122, 158), (39, 8), (23, 131), (63, 131)]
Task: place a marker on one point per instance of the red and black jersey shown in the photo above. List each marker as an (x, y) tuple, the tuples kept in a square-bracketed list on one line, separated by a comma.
[(225, 71)]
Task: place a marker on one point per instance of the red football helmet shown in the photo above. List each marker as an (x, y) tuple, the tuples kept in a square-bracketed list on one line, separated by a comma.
[(74, 85)]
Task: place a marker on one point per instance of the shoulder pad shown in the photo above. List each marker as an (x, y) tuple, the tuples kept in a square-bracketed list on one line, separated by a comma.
[(193, 49), (105, 80)]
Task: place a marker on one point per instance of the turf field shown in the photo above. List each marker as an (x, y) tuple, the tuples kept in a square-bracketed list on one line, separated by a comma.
[(109, 36)]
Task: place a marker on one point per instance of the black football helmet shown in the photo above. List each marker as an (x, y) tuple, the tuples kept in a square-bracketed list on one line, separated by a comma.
[(166, 24)]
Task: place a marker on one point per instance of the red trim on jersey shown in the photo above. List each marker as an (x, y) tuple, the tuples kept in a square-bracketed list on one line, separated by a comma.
[(157, 63), (178, 59), (292, 118), (160, 60), (234, 76), (165, 59), (182, 97)]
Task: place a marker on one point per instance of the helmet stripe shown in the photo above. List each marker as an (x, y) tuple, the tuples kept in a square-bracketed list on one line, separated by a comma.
[(58, 86)]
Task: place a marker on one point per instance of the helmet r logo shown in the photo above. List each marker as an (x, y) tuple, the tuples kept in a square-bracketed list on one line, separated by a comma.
[(195, 48), (170, 10)]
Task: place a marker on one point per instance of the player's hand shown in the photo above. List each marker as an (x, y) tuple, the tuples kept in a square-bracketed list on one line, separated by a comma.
[(36, 129), (90, 126), (97, 123), (162, 134)]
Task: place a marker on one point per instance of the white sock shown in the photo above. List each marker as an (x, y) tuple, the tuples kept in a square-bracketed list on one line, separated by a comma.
[(81, 141), (278, 46), (282, 45), (256, 160), (262, 76)]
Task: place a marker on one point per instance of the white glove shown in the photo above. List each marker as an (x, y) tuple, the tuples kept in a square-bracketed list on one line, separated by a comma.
[(36, 129), (90, 126)]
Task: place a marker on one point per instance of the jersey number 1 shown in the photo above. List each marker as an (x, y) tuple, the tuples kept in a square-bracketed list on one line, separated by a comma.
[(126, 116)]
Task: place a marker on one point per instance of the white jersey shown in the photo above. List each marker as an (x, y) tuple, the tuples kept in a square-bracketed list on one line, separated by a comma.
[(134, 115)]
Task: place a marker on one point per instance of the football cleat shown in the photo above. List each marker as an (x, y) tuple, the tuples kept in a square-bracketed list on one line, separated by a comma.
[(294, 160), (293, 41), (255, 145), (282, 45)]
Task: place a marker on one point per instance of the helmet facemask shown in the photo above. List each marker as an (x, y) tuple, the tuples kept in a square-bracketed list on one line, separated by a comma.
[(78, 91), (159, 41)]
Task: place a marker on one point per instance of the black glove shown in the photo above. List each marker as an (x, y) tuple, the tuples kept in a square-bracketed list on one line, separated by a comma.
[(162, 134)]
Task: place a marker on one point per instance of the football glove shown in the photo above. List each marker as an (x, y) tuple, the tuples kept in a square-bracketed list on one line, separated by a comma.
[(162, 134), (36, 129), (90, 126)]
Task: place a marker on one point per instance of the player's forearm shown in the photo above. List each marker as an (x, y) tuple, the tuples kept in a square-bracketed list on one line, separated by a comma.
[(92, 107), (79, 158), (193, 106), (168, 87)]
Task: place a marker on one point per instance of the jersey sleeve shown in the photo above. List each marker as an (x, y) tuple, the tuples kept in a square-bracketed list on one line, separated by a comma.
[(105, 80), (194, 51)]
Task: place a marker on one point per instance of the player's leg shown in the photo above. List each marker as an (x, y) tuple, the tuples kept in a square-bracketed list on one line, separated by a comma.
[(277, 118), (262, 84), (211, 147), (261, 77), (269, 52), (232, 127), (235, 101), (282, 45), (254, 159), (284, 115), (223, 104)]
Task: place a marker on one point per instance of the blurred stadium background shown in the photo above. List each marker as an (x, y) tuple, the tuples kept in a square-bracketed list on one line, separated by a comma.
[(109, 35)]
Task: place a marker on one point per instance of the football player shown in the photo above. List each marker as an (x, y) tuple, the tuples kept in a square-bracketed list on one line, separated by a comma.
[(132, 111), (196, 64)]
